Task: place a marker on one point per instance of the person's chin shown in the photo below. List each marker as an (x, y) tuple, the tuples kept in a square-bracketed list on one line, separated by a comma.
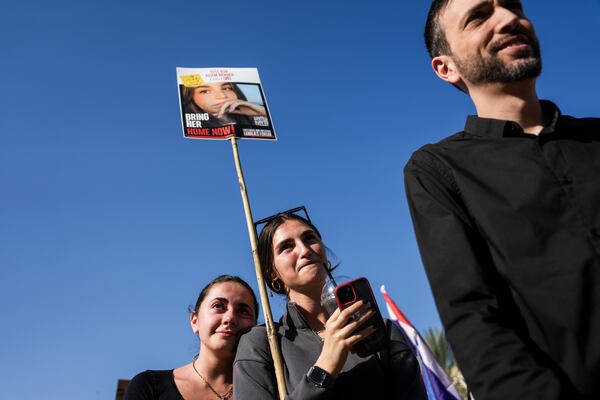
[(312, 275), (226, 344), (228, 350)]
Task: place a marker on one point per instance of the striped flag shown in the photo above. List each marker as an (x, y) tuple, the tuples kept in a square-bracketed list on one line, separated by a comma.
[(439, 386)]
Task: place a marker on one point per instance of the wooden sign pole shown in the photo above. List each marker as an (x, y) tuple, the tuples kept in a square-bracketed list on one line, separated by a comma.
[(271, 334)]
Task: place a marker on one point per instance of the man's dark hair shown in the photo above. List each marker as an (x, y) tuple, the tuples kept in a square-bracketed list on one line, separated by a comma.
[(435, 39)]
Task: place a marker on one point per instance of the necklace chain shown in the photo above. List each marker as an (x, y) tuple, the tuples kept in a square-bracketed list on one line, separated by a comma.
[(318, 332), (221, 397)]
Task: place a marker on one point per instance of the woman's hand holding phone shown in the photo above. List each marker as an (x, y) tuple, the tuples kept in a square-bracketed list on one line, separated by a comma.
[(340, 336)]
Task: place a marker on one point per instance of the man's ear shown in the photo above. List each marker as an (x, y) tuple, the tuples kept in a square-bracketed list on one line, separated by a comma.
[(445, 68)]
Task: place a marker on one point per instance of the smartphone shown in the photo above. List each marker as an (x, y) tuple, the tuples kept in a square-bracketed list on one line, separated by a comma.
[(349, 293)]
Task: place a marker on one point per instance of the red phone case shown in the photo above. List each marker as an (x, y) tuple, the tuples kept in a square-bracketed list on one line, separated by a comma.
[(347, 294)]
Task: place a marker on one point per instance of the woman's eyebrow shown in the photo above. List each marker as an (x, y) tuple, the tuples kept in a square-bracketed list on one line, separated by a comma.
[(220, 299)]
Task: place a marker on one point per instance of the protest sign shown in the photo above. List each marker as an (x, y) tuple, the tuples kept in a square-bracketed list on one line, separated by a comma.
[(221, 103)]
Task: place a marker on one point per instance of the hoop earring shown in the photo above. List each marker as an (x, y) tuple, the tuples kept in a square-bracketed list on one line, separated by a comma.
[(276, 288)]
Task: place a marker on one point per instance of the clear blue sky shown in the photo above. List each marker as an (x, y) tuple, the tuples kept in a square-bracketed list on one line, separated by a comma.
[(111, 221)]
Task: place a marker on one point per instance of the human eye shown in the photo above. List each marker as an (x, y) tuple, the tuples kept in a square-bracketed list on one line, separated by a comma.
[(245, 311), (515, 6), (311, 237), (475, 18), (478, 14), (284, 247), (218, 305)]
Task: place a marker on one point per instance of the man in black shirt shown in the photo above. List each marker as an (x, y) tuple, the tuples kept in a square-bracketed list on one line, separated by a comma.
[(507, 214)]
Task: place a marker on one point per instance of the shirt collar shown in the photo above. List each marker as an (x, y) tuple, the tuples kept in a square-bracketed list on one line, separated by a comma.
[(295, 317), (501, 128)]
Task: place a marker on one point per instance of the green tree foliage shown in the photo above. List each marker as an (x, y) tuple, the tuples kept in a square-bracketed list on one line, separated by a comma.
[(439, 346), (436, 340)]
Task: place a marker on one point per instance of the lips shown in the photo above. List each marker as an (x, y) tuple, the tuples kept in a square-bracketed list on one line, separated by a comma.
[(511, 41), (227, 333), (309, 263)]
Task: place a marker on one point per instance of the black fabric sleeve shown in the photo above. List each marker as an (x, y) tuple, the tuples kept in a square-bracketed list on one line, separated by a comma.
[(405, 380), (254, 374), (482, 322)]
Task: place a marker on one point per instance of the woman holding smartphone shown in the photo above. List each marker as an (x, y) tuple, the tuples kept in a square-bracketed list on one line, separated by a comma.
[(226, 308), (317, 348)]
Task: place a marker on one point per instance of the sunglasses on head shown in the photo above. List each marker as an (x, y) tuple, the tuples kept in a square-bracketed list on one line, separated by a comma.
[(300, 211)]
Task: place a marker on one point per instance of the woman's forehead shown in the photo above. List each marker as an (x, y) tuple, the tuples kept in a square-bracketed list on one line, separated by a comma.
[(231, 291), (291, 227)]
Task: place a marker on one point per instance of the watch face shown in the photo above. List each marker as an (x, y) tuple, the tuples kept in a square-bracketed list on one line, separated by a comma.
[(318, 376)]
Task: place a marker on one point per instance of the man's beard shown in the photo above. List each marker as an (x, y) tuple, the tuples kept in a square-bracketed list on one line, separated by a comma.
[(481, 70)]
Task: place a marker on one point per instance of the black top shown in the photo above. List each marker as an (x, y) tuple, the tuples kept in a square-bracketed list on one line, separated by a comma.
[(391, 374), (508, 225), (153, 385)]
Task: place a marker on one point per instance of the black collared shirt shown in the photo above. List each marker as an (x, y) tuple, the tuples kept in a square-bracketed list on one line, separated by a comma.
[(508, 225)]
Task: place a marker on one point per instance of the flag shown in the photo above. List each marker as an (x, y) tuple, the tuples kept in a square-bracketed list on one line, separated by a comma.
[(438, 385)]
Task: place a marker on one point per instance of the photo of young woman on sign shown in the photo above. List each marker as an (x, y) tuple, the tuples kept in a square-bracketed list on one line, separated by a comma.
[(224, 102)]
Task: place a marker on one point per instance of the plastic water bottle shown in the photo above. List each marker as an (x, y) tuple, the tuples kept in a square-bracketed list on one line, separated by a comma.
[(328, 294)]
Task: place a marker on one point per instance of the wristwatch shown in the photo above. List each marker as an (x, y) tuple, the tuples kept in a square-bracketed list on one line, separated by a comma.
[(320, 377)]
